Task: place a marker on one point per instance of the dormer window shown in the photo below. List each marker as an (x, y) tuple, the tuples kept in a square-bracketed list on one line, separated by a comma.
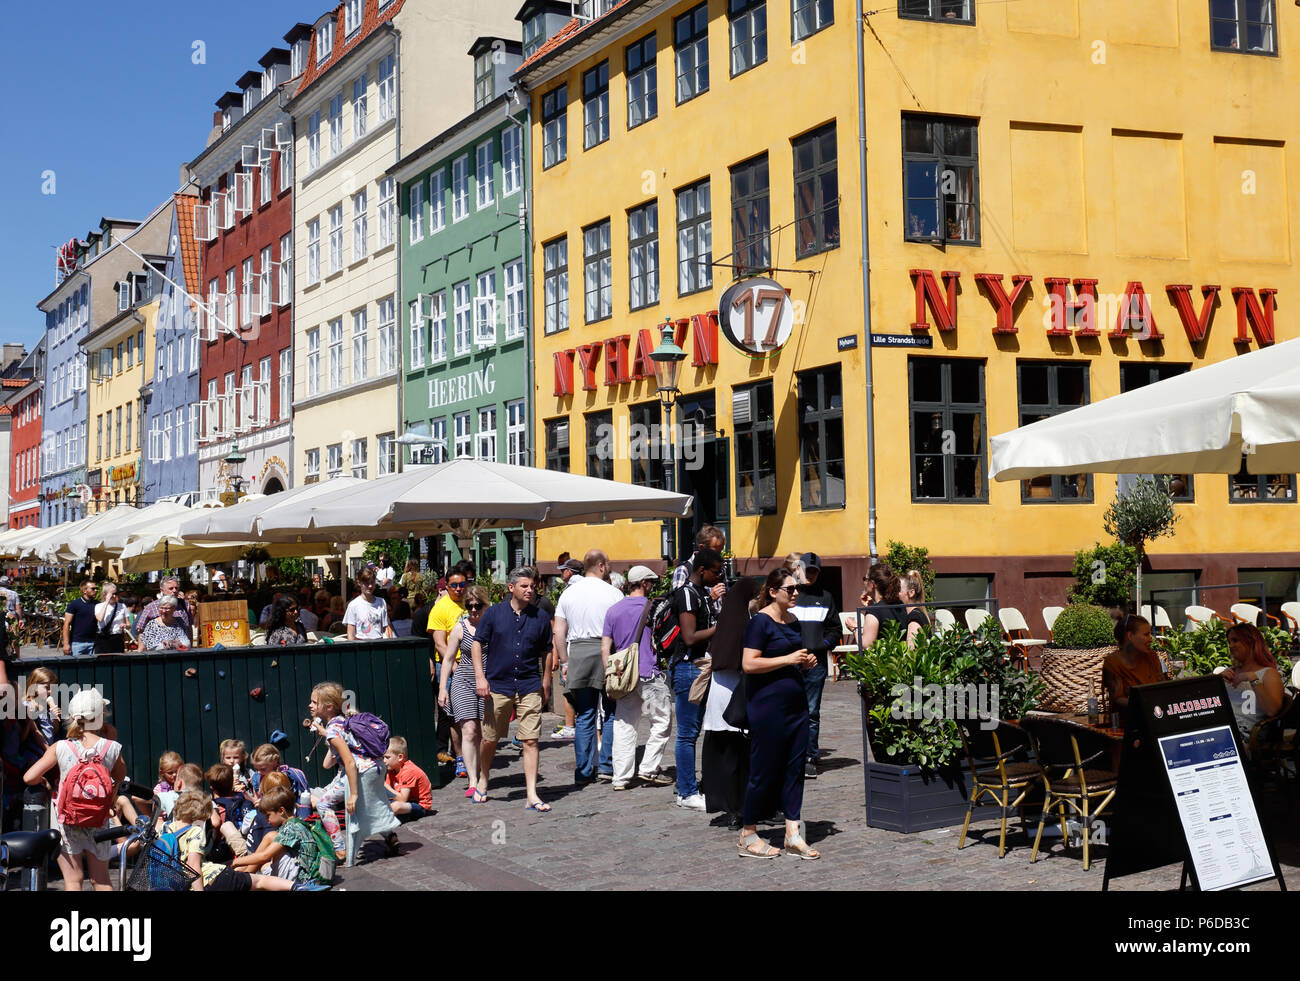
[(298, 56), (324, 42), (534, 34), (226, 120), (351, 17), (483, 81), (252, 96)]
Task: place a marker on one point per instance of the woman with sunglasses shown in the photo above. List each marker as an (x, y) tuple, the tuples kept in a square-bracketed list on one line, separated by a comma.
[(774, 659), (1135, 663), (282, 627), (459, 696)]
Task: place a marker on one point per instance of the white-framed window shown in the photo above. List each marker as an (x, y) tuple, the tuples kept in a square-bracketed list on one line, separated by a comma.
[(387, 460), (285, 270), (514, 272), (313, 251), (325, 41), (359, 107), (359, 336), (417, 211), (286, 166), (360, 463), (245, 395), (194, 352), (437, 201), (264, 180), (264, 283), (464, 436), (483, 175), (161, 440), (360, 226), (352, 16), (516, 433), (232, 302), (286, 383), (438, 327), (246, 300), (511, 161), (335, 461), (262, 399), (336, 238), (460, 188), (336, 353), (298, 57), (464, 325), (487, 433), (313, 140), (313, 361), (387, 212), (387, 90), (228, 404), (439, 443), (485, 310), (311, 466), (415, 320), (336, 125), (387, 335)]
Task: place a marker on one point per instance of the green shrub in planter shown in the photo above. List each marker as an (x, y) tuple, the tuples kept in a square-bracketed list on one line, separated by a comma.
[(1081, 626)]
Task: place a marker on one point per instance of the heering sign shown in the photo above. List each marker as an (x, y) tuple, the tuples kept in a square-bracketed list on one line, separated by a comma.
[(757, 316), (462, 388)]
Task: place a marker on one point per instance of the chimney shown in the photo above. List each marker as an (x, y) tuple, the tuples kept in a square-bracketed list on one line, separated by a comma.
[(216, 118)]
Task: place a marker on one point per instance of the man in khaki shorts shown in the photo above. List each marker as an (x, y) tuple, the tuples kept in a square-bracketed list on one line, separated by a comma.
[(512, 643)]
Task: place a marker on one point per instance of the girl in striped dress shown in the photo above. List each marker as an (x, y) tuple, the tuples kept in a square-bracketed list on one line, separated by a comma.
[(460, 697)]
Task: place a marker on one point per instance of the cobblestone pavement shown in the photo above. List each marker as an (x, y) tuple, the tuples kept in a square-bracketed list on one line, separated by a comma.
[(598, 839)]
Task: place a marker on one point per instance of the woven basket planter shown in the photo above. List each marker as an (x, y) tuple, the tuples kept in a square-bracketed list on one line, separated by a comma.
[(1071, 675)]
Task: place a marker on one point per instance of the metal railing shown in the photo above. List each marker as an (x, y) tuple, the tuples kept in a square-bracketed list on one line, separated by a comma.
[(1196, 597)]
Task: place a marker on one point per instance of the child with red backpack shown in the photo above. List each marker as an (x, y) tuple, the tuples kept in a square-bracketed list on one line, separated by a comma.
[(90, 767)]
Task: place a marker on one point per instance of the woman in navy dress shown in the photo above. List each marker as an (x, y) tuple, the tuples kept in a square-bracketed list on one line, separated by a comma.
[(774, 660)]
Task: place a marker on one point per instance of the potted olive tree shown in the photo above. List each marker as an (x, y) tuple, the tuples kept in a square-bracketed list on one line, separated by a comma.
[(912, 701), (1082, 638)]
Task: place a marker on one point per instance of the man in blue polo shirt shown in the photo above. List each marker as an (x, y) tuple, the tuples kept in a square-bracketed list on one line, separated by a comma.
[(512, 671)]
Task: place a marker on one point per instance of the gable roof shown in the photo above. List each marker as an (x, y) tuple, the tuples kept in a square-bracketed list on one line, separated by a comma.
[(566, 34), (372, 18), (191, 261)]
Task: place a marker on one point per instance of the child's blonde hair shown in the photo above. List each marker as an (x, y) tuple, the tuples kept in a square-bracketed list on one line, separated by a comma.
[(398, 745), (191, 806), (265, 755), (40, 676), (329, 693), (276, 800), (191, 776), (232, 744), (169, 760)]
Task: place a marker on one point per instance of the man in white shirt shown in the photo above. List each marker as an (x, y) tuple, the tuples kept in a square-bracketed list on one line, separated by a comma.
[(578, 625)]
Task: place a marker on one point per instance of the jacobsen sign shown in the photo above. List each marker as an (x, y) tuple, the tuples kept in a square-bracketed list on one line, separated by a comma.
[(1086, 315)]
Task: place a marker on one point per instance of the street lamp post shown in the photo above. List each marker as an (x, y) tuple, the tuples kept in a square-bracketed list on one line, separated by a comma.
[(233, 460), (668, 358)]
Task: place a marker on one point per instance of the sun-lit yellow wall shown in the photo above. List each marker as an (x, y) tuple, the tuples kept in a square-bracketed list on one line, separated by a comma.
[(120, 390), (798, 89), (1113, 144)]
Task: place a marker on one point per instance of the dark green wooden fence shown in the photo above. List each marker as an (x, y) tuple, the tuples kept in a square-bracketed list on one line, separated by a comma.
[(156, 707)]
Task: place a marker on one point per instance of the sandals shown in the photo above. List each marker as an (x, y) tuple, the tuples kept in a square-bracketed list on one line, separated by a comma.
[(479, 797), (799, 849), (746, 848), (391, 844), (540, 807)]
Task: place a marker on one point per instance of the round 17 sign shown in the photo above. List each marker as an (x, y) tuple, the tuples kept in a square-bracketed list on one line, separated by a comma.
[(756, 316)]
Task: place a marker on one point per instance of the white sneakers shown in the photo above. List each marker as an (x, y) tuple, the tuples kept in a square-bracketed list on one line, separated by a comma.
[(695, 802)]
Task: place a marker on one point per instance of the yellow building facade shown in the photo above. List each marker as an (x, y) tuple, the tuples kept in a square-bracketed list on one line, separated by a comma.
[(1063, 201), (120, 357)]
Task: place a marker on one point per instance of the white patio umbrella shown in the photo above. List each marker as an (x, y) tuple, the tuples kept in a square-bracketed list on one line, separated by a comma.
[(11, 540), (152, 550), (239, 522), (1202, 421), (105, 540), (51, 544), (464, 497)]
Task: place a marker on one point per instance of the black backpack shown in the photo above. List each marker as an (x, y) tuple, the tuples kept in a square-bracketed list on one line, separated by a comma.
[(665, 631)]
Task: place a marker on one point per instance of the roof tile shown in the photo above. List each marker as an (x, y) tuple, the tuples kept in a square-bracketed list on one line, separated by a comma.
[(564, 34), (191, 261), (371, 20)]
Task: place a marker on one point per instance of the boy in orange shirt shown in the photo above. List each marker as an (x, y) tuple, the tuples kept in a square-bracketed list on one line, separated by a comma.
[(412, 791)]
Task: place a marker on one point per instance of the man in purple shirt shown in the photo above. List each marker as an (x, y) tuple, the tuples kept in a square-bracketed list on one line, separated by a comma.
[(651, 693)]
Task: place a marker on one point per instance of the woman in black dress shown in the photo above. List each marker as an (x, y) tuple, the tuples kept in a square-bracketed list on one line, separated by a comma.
[(884, 603), (774, 660), (911, 592)]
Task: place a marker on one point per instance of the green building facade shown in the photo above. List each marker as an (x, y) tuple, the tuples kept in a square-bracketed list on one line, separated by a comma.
[(467, 376)]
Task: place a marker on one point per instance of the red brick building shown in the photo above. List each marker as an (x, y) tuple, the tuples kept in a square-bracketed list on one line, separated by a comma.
[(23, 403), (244, 223)]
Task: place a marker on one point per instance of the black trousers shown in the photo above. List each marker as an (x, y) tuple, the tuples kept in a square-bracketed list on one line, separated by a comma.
[(724, 766), (442, 728)]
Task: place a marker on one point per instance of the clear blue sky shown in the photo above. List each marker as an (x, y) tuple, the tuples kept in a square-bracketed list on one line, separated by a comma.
[(107, 95)]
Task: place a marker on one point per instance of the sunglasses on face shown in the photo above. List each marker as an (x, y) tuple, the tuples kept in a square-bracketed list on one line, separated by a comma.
[(474, 606), (788, 589), (455, 585)]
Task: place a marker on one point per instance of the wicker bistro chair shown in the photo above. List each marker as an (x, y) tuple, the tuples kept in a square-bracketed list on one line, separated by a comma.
[(998, 769), (1274, 741), (1067, 753)]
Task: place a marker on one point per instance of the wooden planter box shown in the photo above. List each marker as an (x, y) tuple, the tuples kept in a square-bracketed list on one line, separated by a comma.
[(908, 798)]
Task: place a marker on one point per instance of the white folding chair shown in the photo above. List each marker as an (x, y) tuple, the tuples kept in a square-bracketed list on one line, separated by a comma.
[(1159, 620), (1016, 629), (849, 628), (1291, 612), (1050, 613), (1198, 616), (975, 618), (1249, 613), (944, 620)]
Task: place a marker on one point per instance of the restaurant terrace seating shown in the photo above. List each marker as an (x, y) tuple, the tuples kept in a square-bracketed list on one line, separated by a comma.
[(999, 766), (1076, 762)]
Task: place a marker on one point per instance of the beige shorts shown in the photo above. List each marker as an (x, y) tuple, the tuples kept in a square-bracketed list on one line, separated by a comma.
[(496, 722)]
